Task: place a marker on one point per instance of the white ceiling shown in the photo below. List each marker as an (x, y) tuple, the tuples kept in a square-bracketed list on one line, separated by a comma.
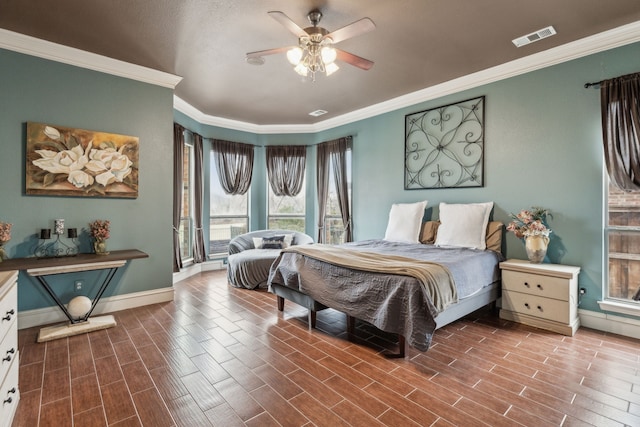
[(417, 44)]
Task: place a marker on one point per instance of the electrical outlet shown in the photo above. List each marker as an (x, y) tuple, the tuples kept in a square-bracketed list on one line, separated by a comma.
[(77, 285)]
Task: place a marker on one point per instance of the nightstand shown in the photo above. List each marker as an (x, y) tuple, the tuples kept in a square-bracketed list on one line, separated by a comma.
[(540, 295)]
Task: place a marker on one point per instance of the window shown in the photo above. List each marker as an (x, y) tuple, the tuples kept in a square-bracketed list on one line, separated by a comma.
[(228, 214), (333, 225), (186, 219), (286, 212), (624, 245)]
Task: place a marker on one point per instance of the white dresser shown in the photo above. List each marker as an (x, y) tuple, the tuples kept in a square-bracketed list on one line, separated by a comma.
[(9, 394), (541, 295)]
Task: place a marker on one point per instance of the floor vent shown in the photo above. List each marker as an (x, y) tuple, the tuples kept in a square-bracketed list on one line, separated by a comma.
[(535, 36)]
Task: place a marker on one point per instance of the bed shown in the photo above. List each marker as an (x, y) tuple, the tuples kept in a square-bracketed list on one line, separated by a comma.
[(406, 288)]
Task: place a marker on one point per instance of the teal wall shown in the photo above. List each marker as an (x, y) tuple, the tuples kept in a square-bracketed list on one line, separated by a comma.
[(543, 147), (33, 89)]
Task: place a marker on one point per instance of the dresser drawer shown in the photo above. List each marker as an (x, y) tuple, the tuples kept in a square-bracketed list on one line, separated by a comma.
[(8, 352), (533, 305), (536, 284), (9, 395), (8, 310)]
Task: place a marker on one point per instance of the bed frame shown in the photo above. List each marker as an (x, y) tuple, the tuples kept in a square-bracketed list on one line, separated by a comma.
[(485, 297)]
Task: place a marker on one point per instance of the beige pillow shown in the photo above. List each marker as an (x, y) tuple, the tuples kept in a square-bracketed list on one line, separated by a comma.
[(429, 233)]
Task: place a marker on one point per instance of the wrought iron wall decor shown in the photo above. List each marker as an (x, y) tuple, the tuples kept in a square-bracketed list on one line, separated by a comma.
[(444, 146)]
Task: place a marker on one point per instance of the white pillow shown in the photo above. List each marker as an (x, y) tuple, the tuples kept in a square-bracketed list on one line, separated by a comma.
[(464, 225), (405, 220), (257, 242)]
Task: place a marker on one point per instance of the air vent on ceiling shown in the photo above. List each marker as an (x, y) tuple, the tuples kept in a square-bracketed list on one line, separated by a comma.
[(535, 36), (318, 113)]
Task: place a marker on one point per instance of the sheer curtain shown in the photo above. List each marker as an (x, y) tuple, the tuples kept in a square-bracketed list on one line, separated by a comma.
[(199, 249), (620, 104), (334, 153), (234, 163), (285, 168), (178, 154)]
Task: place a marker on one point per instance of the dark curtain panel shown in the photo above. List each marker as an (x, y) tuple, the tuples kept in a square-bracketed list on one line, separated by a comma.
[(334, 152), (322, 185), (199, 248), (234, 163), (620, 103), (178, 154), (285, 168)]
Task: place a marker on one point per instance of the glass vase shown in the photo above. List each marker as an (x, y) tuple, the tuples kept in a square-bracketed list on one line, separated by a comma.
[(100, 247), (536, 247)]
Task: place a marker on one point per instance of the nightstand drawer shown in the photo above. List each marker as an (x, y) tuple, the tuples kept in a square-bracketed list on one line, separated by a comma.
[(532, 305), (536, 284)]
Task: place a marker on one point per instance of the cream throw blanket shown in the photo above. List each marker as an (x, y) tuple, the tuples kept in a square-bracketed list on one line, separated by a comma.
[(436, 278)]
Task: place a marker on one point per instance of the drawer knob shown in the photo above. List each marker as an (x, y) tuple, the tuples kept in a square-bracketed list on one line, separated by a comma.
[(526, 304), (527, 284), (540, 308), (539, 286), (9, 314), (13, 390), (8, 400), (9, 353)]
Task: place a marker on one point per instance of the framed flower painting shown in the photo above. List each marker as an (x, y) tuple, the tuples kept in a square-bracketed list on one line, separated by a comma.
[(75, 162)]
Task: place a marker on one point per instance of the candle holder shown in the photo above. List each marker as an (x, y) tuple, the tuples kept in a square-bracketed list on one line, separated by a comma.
[(58, 247)]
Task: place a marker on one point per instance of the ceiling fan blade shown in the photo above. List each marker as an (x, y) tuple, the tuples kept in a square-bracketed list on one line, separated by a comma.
[(288, 23), (354, 60), (354, 29), (268, 52)]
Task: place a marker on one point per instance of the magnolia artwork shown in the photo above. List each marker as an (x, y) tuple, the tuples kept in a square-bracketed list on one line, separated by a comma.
[(74, 162)]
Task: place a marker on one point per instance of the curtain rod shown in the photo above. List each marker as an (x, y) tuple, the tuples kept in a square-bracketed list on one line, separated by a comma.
[(588, 85)]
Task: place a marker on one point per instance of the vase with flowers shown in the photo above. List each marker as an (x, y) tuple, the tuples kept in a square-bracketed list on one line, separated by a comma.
[(99, 230), (531, 225), (5, 236)]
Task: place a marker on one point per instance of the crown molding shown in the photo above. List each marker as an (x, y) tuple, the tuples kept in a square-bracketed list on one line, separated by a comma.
[(68, 55), (205, 119), (607, 40), (610, 39)]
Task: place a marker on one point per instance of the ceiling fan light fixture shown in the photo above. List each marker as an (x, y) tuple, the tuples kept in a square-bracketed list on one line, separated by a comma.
[(301, 69), (328, 54), (314, 52), (294, 55), (331, 68)]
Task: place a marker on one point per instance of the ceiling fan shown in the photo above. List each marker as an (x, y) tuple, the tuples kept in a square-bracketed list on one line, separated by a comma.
[(315, 51)]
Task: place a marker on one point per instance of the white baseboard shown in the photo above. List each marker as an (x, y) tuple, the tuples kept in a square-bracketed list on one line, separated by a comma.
[(193, 269), (45, 316), (610, 323)]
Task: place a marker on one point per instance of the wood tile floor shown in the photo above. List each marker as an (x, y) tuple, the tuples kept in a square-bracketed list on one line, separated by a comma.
[(223, 356)]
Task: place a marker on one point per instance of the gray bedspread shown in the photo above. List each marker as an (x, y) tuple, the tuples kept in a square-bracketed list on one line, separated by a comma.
[(393, 303)]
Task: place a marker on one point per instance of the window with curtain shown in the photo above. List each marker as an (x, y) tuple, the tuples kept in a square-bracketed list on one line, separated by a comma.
[(287, 212), (620, 104), (623, 232), (230, 181), (333, 222), (286, 189), (185, 230)]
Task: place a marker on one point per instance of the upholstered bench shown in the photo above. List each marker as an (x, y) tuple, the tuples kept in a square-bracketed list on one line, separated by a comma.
[(251, 255)]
